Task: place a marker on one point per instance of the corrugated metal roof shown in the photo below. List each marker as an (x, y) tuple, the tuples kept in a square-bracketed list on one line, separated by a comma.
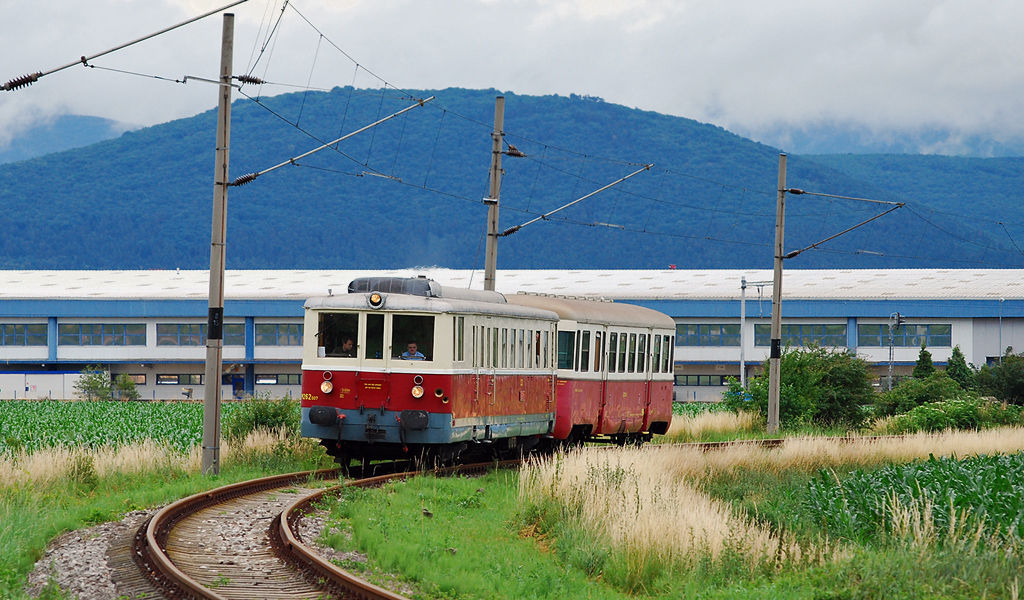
[(990, 284)]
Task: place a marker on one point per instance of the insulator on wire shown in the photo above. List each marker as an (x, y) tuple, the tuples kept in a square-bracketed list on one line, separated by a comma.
[(244, 179), (514, 152), (22, 81), (249, 79)]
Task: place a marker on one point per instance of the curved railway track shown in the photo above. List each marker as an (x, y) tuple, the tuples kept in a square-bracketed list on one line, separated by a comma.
[(183, 550)]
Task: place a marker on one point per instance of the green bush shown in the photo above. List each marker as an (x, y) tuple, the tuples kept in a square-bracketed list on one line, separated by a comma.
[(967, 412), (819, 385), (262, 412), (1004, 380), (911, 393)]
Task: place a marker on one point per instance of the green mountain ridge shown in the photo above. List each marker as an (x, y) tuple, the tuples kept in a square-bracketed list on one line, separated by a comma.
[(409, 193)]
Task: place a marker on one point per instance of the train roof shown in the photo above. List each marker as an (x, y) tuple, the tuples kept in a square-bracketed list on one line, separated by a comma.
[(595, 311), (433, 304)]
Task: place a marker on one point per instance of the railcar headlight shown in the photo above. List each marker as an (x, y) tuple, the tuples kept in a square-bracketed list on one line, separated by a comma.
[(376, 300), (417, 391), (326, 387)]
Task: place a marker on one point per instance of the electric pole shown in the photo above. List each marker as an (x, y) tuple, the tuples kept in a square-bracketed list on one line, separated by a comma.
[(774, 359), (491, 258), (218, 234)]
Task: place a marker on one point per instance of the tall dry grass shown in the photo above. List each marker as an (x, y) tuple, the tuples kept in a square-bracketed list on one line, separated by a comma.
[(648, 502), (53, 465), (699, 427), (635, 502), (808, 454)]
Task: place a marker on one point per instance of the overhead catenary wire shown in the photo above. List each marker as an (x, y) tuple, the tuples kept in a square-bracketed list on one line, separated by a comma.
[(244, 179), (31, 78)]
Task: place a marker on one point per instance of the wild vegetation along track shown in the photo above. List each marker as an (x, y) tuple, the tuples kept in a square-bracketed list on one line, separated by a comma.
[(230, 543), (186, 550)]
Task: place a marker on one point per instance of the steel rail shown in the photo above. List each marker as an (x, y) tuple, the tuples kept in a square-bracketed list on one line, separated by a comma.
[(287, 543), (148, 545)]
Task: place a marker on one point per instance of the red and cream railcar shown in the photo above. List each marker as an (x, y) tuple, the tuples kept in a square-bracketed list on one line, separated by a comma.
[(486, 376), (487, 373), (615, 369)]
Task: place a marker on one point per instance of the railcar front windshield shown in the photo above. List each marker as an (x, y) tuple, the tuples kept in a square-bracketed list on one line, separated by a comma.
[(341, 335)]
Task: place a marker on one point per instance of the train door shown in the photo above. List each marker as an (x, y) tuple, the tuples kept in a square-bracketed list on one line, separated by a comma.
[(373, 383)]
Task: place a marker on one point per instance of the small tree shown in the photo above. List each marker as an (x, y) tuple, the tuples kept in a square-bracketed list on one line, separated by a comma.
[(124, 388), (818, 385), (1004, 380), (911, 393), (958, 370), (94, 383), (924, 366)]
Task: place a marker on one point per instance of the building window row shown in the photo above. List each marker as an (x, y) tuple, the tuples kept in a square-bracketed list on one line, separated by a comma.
[(101, 334), (181, 379), (701, 380), (283, 379), (16, 334), (702, 334), (802, 334), (938, 335), (194, 334), (134, 334), (279, 334), (906, 336)]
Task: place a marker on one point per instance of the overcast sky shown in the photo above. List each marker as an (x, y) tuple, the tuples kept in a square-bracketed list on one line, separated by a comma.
[(746, 65)]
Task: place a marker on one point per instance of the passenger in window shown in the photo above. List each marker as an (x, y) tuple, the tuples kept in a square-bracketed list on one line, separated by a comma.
[(412, 352), (348, 346)]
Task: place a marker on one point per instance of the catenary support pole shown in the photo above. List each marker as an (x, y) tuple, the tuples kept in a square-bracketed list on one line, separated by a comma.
[(491, 258), (743, 327), (775, 358), (218, 235)]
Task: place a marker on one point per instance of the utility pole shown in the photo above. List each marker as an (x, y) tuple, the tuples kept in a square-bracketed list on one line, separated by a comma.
[(744, 284), (491, 258), (774, 359), (218, 234)]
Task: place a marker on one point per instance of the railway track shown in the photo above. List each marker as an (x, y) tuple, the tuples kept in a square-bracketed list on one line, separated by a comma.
[(242, 540)]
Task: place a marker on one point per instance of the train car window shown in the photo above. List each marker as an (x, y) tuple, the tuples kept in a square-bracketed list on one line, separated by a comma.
[(504, 347), (632, 353), (338, 334), (544, 339), (566, 345), (530, 360), (621, 354), (494, 349), (520, 347), (641, 354), (407, 330), (598, 346), (613, 339), (473, 348), (460, 339), (374, 337), (666, 355), (585, 352), (656, 363)]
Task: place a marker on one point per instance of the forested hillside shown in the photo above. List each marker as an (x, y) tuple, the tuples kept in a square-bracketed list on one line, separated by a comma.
[(409, 193)]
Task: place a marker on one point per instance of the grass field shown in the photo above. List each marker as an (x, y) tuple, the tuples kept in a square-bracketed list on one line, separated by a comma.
[(68, 465), (813, 519)]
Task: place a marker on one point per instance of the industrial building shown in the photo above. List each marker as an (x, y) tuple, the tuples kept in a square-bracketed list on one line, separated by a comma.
[(152, 324)]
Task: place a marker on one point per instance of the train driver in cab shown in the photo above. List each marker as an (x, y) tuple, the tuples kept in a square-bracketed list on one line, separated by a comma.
[(412, 352), (348, 346)]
